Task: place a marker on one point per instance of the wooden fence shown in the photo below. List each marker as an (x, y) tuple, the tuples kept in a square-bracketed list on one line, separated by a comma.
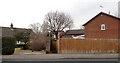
[(55, 47), (68, 46)]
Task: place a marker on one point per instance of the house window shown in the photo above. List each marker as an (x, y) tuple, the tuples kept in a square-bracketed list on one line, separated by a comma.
[(103, 27)]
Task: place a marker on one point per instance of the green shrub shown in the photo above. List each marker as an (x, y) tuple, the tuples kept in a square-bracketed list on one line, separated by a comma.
[(8, 45)]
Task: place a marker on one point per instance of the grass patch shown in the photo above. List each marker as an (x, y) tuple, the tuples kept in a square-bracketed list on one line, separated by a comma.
[(17, 48)]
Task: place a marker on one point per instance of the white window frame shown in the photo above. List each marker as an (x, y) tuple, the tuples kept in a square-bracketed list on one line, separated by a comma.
[(102, 25)]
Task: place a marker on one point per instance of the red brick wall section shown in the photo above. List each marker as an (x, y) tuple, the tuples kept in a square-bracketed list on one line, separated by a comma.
[(119, 30), (93, 28)]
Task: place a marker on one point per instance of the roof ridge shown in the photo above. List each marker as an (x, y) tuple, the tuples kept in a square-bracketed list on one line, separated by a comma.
[(14, 27), (99, 14), (110, 15), (77, 29)]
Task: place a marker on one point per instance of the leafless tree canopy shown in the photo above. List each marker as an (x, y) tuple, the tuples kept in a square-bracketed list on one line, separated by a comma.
[(36, 27), (58, 21), (44, 27), (38, 38)]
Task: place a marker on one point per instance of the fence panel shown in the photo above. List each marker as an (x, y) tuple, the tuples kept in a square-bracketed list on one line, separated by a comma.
[(87, 46)]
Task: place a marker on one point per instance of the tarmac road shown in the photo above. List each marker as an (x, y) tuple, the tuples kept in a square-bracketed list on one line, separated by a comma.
[(60, 61)]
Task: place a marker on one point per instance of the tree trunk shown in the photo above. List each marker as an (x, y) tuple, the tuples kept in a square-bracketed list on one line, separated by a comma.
[(56, 34)]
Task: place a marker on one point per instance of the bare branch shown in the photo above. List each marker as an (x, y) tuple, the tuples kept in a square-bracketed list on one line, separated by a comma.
[(58, 21)]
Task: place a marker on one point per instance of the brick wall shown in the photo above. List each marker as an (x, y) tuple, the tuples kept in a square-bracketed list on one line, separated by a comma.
[(93, 28)]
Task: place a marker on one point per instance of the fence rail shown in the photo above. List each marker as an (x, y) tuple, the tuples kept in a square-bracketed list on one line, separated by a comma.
[(68, 46)]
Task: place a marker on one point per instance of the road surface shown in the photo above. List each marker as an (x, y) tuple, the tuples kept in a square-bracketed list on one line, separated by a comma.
[(60, 61)]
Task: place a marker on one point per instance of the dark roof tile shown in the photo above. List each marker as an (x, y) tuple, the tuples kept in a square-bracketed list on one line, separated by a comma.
[(74, 32), (7, 31)]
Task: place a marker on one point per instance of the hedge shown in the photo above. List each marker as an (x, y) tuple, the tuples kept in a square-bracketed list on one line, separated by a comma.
[(8, 45)]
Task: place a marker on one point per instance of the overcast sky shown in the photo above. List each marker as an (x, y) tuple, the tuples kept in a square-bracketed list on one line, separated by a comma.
[(22, 13)]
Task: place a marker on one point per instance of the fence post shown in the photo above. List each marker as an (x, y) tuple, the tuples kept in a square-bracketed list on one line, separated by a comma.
[(58, 44)]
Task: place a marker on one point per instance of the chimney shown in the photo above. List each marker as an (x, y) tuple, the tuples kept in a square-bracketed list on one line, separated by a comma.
[(11, 26)]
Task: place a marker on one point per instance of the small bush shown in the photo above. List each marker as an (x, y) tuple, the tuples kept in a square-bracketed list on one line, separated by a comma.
[(37, 45), (8, 45)]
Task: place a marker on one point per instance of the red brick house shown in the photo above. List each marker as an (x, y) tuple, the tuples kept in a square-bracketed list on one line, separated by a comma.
[(73, 33), (103, 26), (60, 34)]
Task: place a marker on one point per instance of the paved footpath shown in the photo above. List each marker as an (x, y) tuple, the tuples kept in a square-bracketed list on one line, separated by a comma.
[(60, 56), (27, 54)]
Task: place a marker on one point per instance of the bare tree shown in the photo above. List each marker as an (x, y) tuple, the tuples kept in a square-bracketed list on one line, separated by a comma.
[(44, 27), (36, 27), (38, 38), (58, 21)]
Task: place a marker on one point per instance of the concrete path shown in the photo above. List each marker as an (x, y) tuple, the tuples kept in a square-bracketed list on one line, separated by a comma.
[(22, 52)]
